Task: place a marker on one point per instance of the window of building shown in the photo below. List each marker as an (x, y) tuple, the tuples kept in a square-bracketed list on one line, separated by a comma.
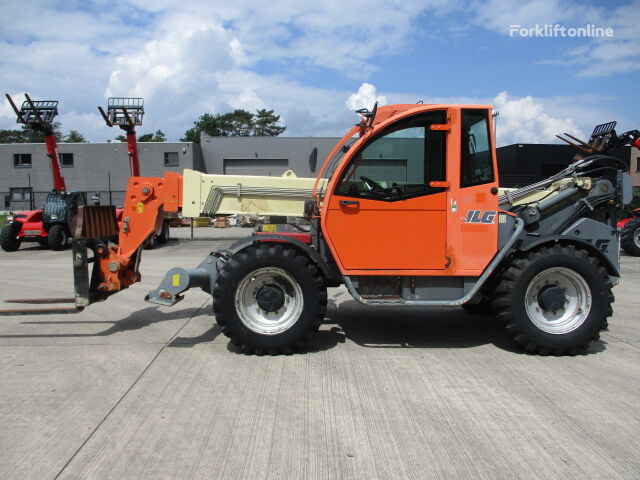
[(20, 193), (477, 166), (638, 164), (66, 159), (171, 159), (21, 160)]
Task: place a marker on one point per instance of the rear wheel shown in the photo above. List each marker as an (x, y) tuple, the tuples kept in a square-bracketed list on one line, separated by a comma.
[(58, 237), (630, 237), (151, 243), (268, 299), (553, 300), (163, 237), (9, 240)]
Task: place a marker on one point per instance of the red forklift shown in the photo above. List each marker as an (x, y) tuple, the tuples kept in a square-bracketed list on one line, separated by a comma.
[(48, 226), (127, 113)]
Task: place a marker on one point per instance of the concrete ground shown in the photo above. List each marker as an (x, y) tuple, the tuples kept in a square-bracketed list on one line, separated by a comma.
[(126, 390)]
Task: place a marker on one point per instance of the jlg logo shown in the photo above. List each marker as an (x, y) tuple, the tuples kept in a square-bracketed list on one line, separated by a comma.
[(478, 216)]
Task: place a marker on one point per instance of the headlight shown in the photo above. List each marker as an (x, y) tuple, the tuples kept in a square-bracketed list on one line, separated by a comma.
[(54, 217)]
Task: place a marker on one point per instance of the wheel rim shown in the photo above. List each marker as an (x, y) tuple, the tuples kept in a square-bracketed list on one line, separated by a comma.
[(63, 237), (636, 237), (269, 280), (556, 283)]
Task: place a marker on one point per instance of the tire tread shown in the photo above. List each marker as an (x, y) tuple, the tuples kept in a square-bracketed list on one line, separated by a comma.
[(502, 308), (248, 256)]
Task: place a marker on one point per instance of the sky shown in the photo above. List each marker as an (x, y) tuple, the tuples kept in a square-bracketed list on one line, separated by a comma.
[(315, 62)]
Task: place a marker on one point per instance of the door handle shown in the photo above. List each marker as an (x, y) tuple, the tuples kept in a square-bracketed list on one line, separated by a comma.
[(349, 202)]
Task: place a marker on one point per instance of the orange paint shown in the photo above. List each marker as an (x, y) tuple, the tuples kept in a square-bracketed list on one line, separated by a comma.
[(426, 235), (145, 201)]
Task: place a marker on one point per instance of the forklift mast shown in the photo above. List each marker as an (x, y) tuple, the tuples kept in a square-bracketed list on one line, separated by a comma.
[(39, 115), (126, 112)]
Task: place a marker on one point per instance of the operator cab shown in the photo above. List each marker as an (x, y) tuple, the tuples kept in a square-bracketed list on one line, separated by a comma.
[(428, 171)]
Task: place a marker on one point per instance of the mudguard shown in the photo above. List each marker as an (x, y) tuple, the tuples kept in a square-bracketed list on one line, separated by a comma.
[(612, 269), (326, 269)]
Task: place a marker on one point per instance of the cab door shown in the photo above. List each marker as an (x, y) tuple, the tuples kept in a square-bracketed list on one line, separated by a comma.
[(384, 213), (477, 195)]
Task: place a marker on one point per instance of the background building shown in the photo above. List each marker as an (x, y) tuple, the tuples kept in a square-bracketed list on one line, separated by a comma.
[(524, 163), (97, 168), (103, 168), (265, 155)]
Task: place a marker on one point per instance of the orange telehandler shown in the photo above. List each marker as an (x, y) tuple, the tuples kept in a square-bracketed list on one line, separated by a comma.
[(405, 211)]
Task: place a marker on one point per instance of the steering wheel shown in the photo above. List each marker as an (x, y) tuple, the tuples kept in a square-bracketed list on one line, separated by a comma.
[(372, 185)]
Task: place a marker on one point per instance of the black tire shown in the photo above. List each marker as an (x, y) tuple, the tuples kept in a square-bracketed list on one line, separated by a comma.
[(9, 240), (630, 237), (163, 237), (151, 243), (252, 259), (483, 307), (509, 304), (58, 237)]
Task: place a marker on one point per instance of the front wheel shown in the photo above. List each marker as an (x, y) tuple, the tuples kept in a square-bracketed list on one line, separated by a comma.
[(268, 299), (630, 237), (553, 300), (58, 237), (9, 240)]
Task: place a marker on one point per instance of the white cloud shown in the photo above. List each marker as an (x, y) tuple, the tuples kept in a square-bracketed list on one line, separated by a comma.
[(529, 119), (524, 120), (198, 56), (597, 57), (365, 97), (7, 115), (89, 124)]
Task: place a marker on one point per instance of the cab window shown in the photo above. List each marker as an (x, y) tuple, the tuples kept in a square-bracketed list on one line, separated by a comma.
[(399, 163), (477, 165)]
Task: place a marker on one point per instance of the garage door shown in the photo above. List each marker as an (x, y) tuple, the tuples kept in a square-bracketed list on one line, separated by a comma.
[(273, 167)]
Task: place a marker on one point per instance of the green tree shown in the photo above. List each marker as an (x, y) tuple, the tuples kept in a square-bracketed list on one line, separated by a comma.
[(239, 123), (27, 135), (208, 123), (159, 136), (74, 136), (266, 124), (12, 136)]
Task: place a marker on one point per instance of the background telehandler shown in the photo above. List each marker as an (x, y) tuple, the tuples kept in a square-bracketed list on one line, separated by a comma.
[(127, 113), (405, 211), (49, 225)]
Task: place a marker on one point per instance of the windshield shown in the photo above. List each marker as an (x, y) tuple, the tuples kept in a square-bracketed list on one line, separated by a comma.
[(333, 164)]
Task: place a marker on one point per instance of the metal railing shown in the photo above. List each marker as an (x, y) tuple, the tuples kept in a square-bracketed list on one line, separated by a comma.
[(9, 203)]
